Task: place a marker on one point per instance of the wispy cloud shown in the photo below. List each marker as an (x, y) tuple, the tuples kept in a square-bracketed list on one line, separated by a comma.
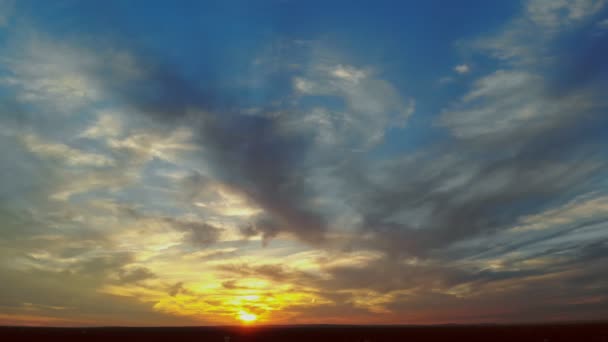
[(546, 19)]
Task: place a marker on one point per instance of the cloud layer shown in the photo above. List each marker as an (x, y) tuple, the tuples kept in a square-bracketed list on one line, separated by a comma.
[(308, 184)]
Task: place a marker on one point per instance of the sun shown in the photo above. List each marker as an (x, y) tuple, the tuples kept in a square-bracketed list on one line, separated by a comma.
[(247, 317)]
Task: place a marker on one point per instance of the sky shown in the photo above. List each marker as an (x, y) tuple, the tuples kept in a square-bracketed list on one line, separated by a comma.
[(173, 163)]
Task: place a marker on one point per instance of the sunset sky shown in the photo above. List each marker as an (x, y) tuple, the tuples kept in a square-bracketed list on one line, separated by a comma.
[(297, 161)]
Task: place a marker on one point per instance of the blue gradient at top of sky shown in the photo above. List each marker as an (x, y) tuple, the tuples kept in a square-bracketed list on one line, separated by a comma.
[(217, 41)]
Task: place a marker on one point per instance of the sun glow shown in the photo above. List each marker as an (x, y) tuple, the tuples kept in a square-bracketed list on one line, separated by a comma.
[(247, 317)]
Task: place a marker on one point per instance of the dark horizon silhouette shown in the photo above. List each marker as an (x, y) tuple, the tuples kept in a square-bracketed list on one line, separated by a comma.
[(283, 166), (570, 332)]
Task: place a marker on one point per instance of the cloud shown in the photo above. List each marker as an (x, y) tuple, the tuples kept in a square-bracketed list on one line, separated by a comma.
[(59, 76), (348, 73), (136, 182), (124, 159), (553, 15), (144, 146), (547, 19), (502, 153), (246, 152), (176, 289), (400, 288), (253, 155), (372, 105), (510, 128), (462, 69), (200, 234), (108, 125), (71, 299), (215, 197), (135, 274), (162, 231), (71, 156), (575, 212), (550, 302), (511, 102), (445, 200)]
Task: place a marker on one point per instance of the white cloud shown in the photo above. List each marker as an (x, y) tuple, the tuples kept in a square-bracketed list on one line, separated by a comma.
[(371, 105), (47, 74), (462, 69), (70, 155), (226, 201), (517, 101), (130, 155), (524, 39), (577, 211), (303, 86), (142, 146), (353, 105), (507, 102), (556, 14), (108, 124), (60, 76), (348, 73)]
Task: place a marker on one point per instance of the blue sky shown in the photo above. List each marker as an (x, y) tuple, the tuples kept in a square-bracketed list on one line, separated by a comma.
[(207, 162)]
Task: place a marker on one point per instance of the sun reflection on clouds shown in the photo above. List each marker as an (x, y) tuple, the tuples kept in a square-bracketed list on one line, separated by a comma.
[(247, 317), (225, 305)]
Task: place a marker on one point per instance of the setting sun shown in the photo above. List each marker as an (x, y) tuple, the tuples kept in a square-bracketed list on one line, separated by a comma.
[(247, 317)]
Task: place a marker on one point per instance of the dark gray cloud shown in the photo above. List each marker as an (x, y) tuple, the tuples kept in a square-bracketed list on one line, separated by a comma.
[(246, 152), (98, 268), (197, 233), (265, 226), (176, 288), (135, 274)]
